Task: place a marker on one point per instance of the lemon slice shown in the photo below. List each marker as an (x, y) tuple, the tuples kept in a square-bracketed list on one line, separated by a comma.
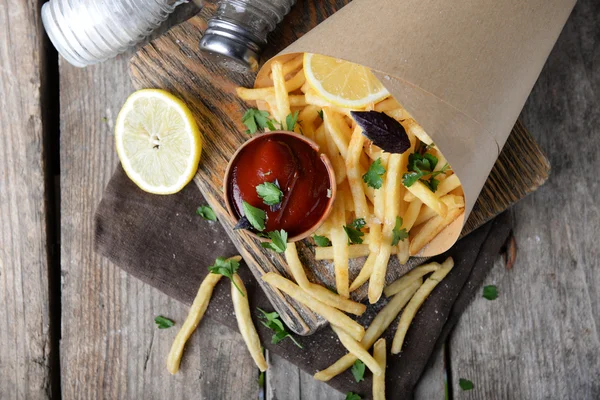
[(343, 83), (158, 141)]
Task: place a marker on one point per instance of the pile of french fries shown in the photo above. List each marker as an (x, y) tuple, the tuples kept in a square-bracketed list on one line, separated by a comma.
[(424, 213)]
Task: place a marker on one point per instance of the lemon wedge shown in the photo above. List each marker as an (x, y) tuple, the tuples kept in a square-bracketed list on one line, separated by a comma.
[(343, 83), (158, 141)]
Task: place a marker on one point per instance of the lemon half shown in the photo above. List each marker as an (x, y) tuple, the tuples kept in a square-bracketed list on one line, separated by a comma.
[(343, 83), (158, 141)]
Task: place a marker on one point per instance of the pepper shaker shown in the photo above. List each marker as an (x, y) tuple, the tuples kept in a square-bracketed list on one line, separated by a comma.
[(238, 31)]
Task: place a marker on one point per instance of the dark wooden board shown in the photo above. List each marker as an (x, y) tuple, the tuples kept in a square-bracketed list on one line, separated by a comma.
[(173, 62)]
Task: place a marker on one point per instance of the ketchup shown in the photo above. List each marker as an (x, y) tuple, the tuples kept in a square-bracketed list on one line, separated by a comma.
[(301, 174)]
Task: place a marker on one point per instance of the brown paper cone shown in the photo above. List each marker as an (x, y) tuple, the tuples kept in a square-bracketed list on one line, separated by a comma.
[(463, 69)]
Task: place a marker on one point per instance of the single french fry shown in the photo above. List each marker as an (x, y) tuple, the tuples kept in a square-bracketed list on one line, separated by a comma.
[(317, 291), (386, 105), (431, 229), (411, 214), (193, 318), (407, 279), (429, 198), (357, 350), (297, 100), (334, 316), (379, 380), (399, 114), (338, 163), (281, 95), (403, 252), (354, 176), (374, 152), (365, 272), (380, 323), (447, 185), (373, 238), (416, 301), (354, 251), (409, 197), (293, 64), (313, 98), (336, 127), (411, 126), (453, 201), (262, 93), (425, 215), (377, 280), (441, 161), (339, 242), (241, 306), (348, 200)]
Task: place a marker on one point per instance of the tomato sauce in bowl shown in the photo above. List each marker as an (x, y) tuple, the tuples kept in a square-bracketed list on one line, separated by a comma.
[(294, 164)]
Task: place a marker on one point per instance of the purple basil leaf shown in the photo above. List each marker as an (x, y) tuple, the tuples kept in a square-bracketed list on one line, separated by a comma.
[(243, 223), (383, 130)]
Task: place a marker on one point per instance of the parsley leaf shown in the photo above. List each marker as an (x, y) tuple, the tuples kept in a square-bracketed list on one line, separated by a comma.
[(373, 176), (320, 112), (358, 370), (271, 320), (207, 213), (354, 235), (270, 193), (226, 267), (465, 384), (399, 234), (322, 241), (358, 223), (255, 120), (255, 216), (163, 323), (290, 120), (421, 166), (278, 241), (353, 231), (352, 396), (490, 292)]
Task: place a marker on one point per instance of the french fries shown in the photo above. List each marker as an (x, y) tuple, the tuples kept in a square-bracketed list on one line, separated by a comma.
[(379, 380), (241, 307), (334, 316), (317, 291), (407, 279), (358, 351), (363, 192), (416, 301), (379, 324)]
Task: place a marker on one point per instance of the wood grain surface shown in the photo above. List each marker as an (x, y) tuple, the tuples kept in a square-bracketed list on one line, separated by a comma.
[(25, 355), (540, 339), (173, 62), (110, 346)]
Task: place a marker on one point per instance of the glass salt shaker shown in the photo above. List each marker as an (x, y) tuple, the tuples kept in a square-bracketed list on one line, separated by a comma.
[(238, 31), (90, 31)]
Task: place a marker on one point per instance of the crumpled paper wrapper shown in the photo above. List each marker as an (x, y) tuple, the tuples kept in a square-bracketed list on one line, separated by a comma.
[(463, 69)]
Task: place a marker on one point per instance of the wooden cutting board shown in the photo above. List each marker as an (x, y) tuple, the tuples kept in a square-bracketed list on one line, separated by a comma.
[(173, 62)]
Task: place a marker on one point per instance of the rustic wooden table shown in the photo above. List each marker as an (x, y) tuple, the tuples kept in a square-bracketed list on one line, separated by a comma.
[(75, 326)]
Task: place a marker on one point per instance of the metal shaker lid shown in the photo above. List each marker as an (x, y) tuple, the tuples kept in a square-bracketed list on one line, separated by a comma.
[(228, 43)]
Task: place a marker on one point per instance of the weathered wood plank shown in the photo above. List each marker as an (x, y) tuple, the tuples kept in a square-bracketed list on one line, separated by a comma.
[(24, 297), (285, 381), (432, 385), (540, 339), (110, 347)]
